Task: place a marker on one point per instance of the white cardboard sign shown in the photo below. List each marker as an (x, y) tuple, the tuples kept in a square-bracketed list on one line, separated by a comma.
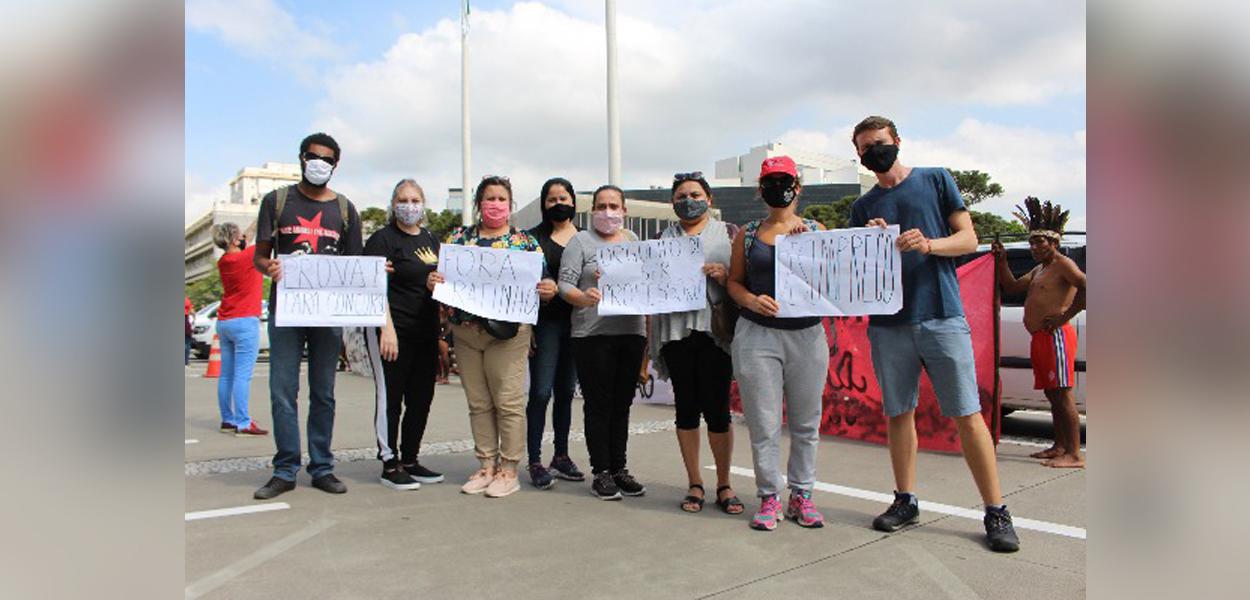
[(651, 278), (490, 282), (322, 290), (839, 273)]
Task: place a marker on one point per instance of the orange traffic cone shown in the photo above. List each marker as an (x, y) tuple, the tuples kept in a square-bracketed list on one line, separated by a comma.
[(214, 359)]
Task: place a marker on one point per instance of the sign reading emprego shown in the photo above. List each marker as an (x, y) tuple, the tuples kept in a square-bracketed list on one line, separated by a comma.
[(839, 273), (652, 278), (490, 282), (320, 290)]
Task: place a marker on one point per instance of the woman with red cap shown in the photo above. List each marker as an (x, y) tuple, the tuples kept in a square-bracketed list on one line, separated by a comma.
[(775, 356)]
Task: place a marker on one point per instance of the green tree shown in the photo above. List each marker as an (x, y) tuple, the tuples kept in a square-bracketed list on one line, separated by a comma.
[(975, 186), (441, 223), (371, 220), (835, 215), (988, 225)]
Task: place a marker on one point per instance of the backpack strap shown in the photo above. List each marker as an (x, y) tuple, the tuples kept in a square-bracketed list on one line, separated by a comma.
[(748, 238), (345, 211), (279, 205), (344, 208)]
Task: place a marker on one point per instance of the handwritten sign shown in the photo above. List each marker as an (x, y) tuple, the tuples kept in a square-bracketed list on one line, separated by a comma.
[(490, 282), (318, 290), (651, 278), (840, 273)]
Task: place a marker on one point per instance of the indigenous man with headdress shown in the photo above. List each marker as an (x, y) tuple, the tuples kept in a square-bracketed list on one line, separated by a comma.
[(1056, 293)]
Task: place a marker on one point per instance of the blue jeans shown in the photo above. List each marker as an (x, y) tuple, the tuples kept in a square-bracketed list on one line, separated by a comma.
[(286, 344), (240, 341), (551, 369), (186, 351), (943, 348)]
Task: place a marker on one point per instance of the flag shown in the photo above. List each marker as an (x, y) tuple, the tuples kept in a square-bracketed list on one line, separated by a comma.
[(852, 397)]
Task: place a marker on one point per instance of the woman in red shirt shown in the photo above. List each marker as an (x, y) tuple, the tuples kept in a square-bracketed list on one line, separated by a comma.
[(238, 327)]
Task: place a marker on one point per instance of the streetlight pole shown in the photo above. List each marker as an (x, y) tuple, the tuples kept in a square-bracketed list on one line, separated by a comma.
[(614, 122)]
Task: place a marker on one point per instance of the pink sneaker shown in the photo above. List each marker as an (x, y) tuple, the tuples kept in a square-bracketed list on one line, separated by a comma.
[(504, 484), (769, 515), (803, 511), (479, 481)]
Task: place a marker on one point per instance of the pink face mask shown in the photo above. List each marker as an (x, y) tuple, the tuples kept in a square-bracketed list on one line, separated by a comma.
[(608, 222), (495, 214)]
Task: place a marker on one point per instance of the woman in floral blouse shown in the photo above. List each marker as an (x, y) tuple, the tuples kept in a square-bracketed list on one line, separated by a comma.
[(492, 354)]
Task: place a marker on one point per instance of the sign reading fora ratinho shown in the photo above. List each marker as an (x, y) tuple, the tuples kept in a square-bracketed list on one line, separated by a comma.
[(839, 273), (490, 282), (318, 290)]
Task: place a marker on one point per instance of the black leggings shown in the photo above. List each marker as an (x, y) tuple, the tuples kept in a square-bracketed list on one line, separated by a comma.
[(607, 369), (408, 384), (700, 372)]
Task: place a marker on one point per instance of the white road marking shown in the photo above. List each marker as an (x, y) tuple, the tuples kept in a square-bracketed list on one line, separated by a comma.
[(237, 510), (944, 509), (189, 442), (209, 583)]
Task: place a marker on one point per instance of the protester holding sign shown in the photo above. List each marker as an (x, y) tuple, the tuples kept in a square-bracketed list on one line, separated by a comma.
[(692, 351), (930, 332), (775, 357), (238, 327), (608, 349), (551, 360), (306, 218), (404, 353), (491, 353)]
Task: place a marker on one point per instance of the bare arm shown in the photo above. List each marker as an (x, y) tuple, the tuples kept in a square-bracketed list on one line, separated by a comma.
[(1006, 281), (249, 234), (1073, 275), (761, 304), (270, 267), (961, 241)]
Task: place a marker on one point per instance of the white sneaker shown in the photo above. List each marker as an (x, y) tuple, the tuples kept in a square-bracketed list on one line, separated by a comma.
[(479, 481), (505, 483)]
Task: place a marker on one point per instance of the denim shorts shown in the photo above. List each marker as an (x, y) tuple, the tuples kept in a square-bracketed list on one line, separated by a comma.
[(943, 348)]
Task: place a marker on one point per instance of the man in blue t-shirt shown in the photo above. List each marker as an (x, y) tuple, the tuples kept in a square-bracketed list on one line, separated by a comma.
[(930, 331)]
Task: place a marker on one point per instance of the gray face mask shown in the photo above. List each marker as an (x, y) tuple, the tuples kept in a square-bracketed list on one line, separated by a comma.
[(688, 209), (409, 213)]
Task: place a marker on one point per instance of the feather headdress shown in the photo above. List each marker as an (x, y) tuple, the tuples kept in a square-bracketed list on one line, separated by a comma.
[(1044, 219)]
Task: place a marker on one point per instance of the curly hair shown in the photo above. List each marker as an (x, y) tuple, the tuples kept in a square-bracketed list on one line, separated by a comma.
[(224, 233)]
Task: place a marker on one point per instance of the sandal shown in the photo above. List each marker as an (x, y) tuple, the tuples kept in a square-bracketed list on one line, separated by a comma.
[(728, 504), (696, 501)]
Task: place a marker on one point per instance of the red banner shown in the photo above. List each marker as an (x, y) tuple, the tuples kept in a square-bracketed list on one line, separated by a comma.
[(852, 398)]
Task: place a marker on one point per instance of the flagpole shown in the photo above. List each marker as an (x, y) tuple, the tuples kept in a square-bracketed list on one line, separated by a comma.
[(614, 124), (466, 215)]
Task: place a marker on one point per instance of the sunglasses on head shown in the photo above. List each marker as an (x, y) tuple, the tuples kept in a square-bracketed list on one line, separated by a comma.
[(691, 176), (315, 156), (500, 178)]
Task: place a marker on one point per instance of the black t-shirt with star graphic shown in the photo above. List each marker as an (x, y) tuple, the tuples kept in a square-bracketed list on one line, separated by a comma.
[(413, 312), (306, 226)]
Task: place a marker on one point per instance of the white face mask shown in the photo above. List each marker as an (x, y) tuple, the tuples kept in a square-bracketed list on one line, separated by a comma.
[(317, 171), (409, 213)]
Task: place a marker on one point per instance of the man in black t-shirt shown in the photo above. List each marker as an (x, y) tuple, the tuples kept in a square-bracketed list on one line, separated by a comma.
[(306, 218)]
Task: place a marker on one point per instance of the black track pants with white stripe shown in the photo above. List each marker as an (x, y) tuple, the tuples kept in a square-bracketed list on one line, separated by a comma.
[(405, 385)]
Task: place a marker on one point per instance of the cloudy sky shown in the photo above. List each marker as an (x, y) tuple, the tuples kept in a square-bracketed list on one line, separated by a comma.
[(984, 85)]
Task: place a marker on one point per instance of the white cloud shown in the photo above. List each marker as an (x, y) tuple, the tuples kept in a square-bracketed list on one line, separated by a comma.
[(699, 81), (200, 196), (259, 29)]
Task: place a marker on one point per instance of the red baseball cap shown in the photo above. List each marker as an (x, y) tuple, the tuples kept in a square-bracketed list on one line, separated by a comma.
[(778, 164)]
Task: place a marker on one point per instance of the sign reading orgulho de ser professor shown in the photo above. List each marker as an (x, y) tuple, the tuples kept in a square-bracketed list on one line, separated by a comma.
[(652, 278), (839, 273), (321, 290), (490, 282)]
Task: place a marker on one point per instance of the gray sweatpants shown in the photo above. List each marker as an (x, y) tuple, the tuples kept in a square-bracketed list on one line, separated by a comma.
[(768, 362)]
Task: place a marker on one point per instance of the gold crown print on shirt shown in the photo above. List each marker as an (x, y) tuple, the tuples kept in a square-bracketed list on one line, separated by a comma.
[(426, 256)]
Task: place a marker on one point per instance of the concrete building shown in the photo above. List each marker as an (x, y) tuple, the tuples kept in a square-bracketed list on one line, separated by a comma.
[(739, 204), (252, 183), (246, 190), (814, 167)]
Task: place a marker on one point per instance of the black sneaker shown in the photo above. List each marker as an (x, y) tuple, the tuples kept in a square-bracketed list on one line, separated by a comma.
[(999, 531), (604, 488), (903, 512), (627, 484), (563, 467), (398, 479), (228, 428), (276, 486), (422, 474), (541, 477), (329, 484)]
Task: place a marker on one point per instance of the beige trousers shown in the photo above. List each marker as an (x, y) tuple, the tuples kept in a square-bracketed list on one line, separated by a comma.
[(492, 372)]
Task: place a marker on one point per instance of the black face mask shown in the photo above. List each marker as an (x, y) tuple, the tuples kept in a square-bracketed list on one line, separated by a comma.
[(242, 244), (879, 157), (778, 192), (561, 212)]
